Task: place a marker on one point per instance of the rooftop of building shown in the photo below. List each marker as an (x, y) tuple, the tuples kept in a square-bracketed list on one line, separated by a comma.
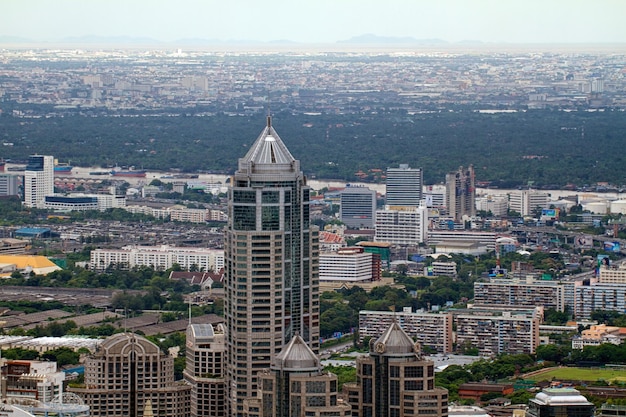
[(297, 356), (394, 341), (560, 396), (268, 154)]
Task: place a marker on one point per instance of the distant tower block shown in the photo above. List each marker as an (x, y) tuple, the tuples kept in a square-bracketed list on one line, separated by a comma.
[(404, 186), (179, 187)]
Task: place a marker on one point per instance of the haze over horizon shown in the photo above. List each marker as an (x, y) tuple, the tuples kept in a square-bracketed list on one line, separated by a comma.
[(322, 21)]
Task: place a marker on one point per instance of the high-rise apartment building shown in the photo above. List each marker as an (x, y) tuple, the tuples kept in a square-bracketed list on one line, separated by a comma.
[(599, 297), (204, 369), (357, 207), (395, 380), (433, 330), (38, 180), (496, 334), (461, 193), (404, 186), (295, 385), (529, 293), (271, 252), (130, 376)]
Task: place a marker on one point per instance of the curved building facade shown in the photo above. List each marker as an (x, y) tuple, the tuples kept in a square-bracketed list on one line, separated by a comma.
[(130, 376)]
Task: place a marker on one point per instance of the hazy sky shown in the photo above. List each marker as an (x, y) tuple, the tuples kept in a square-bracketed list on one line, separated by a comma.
[(319, 21)]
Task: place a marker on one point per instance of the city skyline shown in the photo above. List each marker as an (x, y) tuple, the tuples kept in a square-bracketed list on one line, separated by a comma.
[(557, 21)]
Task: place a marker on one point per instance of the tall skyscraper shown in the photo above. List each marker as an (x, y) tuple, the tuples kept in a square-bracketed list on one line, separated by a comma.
[(38, 180), (271, 251), (461, 193), (404, 186), (357, 207)]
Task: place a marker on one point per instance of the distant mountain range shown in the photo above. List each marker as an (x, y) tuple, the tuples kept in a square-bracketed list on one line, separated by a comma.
[(366, 39), (372, 39)]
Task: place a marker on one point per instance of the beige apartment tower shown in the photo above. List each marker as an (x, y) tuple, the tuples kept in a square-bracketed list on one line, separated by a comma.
[(130, 376), (271, 258), (204, 369), (395, 380), (296, 385)]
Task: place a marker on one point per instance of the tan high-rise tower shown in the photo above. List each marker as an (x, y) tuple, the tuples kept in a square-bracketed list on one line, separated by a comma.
[(271, 255), (395, 380)]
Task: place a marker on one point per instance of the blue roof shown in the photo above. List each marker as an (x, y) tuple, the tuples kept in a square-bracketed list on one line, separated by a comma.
[(32, 230)]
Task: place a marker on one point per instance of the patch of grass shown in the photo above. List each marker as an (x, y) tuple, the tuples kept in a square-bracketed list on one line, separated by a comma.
[(581, 374)]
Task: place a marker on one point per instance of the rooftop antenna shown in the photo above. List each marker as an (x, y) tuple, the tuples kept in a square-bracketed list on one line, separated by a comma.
[(269, 110), (190, 311)]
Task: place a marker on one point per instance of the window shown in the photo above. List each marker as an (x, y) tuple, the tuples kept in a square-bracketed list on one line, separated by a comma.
[(241, 196), (244, 218), (270, 197), (271, 218)]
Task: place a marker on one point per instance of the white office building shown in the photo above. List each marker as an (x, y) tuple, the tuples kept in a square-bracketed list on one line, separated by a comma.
[(81, 202), (348, 264), (402, 225), (38, 180), (497, 205), (526, 201)]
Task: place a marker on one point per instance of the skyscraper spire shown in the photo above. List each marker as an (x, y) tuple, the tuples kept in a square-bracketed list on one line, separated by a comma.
[(271, 280)]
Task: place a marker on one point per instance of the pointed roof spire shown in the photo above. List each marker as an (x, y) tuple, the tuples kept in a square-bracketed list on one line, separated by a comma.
[(297, 355), (268, 154), (395, 341)]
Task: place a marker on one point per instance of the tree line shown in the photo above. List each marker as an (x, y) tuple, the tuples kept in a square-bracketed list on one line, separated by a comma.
[(549, 147)]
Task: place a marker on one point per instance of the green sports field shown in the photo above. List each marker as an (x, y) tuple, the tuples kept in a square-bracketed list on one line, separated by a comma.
[(580, 374)]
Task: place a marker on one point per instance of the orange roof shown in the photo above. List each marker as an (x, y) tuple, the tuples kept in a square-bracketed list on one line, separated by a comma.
[(23, 261)]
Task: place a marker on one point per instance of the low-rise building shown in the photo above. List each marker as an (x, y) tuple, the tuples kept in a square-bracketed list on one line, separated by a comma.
[(349, 265), (158, 257), (599, 334), (437, 237), (475, 390), (553, 402), (83, 202), (24, 381), (443, 268)]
